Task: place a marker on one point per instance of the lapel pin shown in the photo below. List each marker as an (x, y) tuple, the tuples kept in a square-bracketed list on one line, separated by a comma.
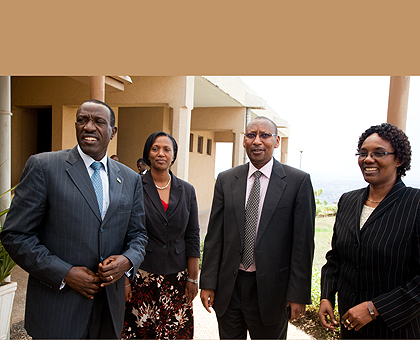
[(118, 180)]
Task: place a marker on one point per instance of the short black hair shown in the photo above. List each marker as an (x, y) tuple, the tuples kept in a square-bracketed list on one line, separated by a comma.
[(398, 140), (141, 160), (111, 111), (151, 139), (268, 120)]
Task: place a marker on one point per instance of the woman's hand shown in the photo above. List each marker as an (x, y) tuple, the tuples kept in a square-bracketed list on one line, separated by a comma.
[(357, 316), (191, 290), (325, 311), (128, 293)]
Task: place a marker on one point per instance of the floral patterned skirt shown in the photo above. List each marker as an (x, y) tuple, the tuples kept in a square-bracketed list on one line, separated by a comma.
[(158, 308)]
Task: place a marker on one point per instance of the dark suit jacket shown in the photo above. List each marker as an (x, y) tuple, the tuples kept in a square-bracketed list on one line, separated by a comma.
[(380, 262), (174, 235), (54, 224), (284, 245)]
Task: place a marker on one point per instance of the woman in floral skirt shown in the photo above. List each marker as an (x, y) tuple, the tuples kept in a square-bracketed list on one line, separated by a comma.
[(159, 299)]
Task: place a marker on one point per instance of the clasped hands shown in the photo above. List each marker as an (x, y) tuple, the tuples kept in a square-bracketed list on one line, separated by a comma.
[(88, 283)]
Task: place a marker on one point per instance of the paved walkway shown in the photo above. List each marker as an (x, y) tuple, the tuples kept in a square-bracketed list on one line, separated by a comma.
[(205, 324)]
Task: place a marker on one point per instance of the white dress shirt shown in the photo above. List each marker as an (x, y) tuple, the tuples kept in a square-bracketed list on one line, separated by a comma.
[(104, 176)]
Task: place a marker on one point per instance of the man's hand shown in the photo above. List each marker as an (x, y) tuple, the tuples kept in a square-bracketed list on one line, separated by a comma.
[(207, 298), (83, 280), (326, 311), (112, 268), (296, 309)]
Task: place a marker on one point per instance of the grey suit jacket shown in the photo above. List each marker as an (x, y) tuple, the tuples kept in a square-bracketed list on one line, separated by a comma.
[(380, 262), (54, 223), (284, 245)]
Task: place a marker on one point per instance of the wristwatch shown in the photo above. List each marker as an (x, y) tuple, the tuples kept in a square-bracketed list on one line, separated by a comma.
[(192, 281), (371, 310)]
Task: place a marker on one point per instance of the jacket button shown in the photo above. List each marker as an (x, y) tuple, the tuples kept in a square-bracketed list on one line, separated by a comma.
[(102, 230), (102, 258), (164, 246), (165, 235), (165, 223)]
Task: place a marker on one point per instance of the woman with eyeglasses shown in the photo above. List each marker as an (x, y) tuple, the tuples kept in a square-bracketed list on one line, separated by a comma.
[(374, 263)]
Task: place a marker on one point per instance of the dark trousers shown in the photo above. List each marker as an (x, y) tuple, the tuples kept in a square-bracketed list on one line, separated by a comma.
[(100, 324), (243, 313)]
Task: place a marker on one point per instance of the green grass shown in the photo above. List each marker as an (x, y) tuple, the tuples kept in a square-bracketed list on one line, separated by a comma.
[(323, 234)]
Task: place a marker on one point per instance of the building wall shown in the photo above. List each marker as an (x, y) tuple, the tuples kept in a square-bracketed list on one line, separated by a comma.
[(22, 124), (201, 172), (135, 124), (147, 105), (230, 120)]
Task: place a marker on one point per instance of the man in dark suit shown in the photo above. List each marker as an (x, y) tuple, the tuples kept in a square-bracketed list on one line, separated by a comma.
[(77, 239), (257, 263)]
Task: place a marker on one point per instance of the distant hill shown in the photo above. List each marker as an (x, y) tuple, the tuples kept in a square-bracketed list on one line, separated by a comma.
[(333, 189)]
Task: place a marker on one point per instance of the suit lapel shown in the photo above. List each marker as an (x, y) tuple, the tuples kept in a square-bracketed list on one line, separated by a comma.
[(151, 191), (115, 188), (386, 203), (77, 171), (238, 186), (275, 191), (360, 201), (174, 196)]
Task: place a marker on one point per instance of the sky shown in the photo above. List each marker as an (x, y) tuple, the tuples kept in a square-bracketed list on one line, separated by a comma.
[(327, 114)]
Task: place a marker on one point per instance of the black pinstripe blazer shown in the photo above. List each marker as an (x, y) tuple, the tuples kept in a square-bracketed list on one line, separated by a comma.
[(54, 223), (380, 262)]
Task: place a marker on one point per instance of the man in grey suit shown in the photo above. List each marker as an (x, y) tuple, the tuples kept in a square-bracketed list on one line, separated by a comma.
[(258, 250), (77, 240)]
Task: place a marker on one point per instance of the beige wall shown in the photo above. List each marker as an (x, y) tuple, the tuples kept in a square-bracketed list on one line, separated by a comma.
[(174, 92), (23, 123), (201, 169), (224, 121), (201, 173), (135, 124)]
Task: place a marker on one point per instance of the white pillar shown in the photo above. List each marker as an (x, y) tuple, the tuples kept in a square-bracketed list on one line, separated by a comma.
[(5, 141), (181, 128)]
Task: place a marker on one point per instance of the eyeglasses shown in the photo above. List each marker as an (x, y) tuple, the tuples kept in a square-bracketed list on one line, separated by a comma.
[(374, 154), (262, 135)]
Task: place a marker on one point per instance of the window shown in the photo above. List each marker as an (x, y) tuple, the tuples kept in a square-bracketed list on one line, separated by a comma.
[(209, 145), (191, 142), (200, 144)]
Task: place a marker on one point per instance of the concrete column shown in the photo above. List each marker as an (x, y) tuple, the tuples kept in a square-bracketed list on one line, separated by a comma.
[(5, 141), (284, 149), (181, 128), (97, 88), (398, 101), (239, 155)]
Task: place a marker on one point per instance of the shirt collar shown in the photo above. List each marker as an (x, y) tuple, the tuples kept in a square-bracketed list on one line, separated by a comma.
[(266, 169), (89, 160)]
